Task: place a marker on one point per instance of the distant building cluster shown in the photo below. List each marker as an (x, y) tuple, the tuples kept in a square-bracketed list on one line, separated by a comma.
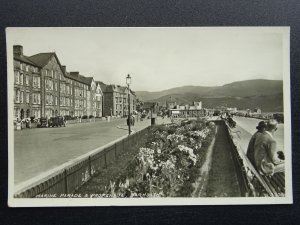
[(44, 88), (193, 110)]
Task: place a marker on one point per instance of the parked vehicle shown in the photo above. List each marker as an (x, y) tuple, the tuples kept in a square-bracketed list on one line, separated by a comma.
[(57, 121), (42, 122)]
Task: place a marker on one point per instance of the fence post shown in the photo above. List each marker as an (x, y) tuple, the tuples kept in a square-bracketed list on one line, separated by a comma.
[(123, 145), (90, 166), (116, 151), (66, 181), (128, 144), (105, 159)]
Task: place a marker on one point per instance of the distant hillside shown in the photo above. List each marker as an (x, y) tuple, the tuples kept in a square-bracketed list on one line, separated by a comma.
[(266, 94)]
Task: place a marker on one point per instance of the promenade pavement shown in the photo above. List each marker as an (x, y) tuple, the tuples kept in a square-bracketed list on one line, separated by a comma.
[(39, 150)]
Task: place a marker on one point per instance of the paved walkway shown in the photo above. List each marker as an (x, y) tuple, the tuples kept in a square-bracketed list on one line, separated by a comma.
[(39, 150)]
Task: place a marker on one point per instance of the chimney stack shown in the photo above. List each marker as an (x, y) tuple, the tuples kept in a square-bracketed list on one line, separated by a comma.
[(64, 68), (74, 74), (18, 50)]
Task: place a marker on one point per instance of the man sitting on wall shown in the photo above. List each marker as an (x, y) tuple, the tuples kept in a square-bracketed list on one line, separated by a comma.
[(267, 159), (250, 150)]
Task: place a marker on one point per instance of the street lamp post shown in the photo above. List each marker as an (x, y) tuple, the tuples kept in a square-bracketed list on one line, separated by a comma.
[(128, 82)]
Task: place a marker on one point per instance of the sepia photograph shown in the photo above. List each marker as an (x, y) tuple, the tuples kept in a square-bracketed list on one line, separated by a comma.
[(149, 116)]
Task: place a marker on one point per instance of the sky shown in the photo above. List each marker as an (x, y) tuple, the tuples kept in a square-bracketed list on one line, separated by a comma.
[(161, 58)]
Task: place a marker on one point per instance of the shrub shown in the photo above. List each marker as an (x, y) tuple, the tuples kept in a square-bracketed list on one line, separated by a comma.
[(169, 162)]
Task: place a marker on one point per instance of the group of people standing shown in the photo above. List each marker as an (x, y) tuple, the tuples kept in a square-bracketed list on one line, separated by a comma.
[(262, 149)]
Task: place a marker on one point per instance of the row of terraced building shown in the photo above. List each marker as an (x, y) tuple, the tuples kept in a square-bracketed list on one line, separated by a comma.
[(44, 88)]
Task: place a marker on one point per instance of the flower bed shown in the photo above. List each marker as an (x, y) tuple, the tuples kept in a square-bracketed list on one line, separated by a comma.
[(168, 164)]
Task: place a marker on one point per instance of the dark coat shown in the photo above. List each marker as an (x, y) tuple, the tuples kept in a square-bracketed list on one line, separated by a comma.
[(250, 149)]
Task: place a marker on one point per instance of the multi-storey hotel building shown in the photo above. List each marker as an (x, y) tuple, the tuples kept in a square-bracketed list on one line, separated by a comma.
[(43, 88), (116, 100), (27, 86)]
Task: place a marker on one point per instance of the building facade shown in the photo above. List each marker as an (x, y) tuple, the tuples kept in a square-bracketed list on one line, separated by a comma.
[(184, 111), (51, 74), (116, 100), (44, 88), (99, 100), (27, 86)]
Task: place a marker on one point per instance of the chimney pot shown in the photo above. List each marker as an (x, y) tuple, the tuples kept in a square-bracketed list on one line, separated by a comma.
[(18, 50), (76, 74), (63, 67)]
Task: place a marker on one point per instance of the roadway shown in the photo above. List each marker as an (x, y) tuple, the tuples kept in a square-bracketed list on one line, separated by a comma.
[(41, 149)]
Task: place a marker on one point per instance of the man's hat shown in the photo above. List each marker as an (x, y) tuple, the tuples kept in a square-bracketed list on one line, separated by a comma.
[(261, 125)]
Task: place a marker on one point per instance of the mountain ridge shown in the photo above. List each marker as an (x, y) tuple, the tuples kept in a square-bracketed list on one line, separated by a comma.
[(260, 91)]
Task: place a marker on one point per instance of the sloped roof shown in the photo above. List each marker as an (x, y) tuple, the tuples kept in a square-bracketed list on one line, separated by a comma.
[(25, 59), (102, 85), (115, 88), (41, 59), (88, 80), (79, 78)]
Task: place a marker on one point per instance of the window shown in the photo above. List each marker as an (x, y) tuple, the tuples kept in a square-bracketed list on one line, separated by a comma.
[(47, 100), (21, 79), (39, 82), (55, 74), (21, 96), (17, 113), (27, 97), (36, 98), (17, 96), (52, 73), (27, 68), (49, 84), (56, 100), (55, 86), (17, 76), (36, 113), (27, 80), (62, 88), (36, 81)]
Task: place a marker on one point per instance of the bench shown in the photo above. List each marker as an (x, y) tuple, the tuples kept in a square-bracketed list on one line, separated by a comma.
[(259, 184)]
